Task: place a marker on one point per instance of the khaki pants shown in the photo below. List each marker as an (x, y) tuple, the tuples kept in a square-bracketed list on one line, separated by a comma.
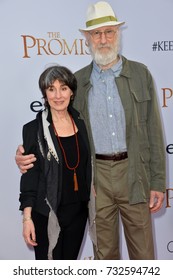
[(112, 200)]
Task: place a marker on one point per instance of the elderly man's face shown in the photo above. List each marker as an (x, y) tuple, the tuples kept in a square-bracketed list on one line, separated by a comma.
[(103, 43)]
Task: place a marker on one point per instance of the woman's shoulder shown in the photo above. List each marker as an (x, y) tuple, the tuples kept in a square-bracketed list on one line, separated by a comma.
[(33, 124), (73, 112)]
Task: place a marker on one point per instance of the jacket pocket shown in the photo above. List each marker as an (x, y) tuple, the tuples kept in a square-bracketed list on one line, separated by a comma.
[(141, 100)]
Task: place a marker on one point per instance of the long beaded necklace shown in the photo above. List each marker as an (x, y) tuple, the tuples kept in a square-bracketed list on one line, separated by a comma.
[(65, 158)]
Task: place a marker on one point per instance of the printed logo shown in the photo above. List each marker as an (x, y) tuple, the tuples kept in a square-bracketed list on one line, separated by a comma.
[(162, 46), (167, 95), (169, 197), (52, 45), (170, 247)]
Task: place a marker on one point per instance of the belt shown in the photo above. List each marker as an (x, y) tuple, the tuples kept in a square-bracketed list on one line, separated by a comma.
[(114, 157)]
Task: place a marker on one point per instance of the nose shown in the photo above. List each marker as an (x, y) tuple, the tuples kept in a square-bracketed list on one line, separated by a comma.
[(103, 37), (57, 93)]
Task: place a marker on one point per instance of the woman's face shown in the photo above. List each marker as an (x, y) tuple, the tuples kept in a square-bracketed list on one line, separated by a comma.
[(58, 96)]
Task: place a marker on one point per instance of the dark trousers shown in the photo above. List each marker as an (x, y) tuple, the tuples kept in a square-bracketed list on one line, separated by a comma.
[(72, 219)]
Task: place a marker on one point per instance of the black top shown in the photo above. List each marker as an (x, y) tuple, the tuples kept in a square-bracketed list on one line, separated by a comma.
[(68, 193)]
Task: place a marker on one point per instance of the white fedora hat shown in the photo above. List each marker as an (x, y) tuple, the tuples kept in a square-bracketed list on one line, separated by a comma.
[(98, 15)]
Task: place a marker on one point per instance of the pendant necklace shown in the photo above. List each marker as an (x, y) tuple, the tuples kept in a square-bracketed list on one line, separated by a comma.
[(64, 154)]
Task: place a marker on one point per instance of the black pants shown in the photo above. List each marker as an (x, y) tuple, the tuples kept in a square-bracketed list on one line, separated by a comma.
[(72, 219)]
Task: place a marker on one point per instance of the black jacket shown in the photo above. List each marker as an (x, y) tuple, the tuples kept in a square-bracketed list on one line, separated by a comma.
[(36, 185)]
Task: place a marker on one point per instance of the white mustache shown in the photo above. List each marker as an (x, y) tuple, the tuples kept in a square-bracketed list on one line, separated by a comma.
[(104, 46)]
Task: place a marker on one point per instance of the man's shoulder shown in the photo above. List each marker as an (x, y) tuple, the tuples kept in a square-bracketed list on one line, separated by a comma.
[(85, 69), (132, 68), (133, 63)]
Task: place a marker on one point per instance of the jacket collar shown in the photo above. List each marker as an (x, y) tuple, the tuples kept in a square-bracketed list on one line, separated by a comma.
[(125, 70)]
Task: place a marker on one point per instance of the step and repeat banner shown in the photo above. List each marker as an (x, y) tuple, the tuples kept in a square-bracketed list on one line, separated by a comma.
[(34, 34)]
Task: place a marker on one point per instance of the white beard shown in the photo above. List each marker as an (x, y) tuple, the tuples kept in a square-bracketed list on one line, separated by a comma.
[(111, 55)]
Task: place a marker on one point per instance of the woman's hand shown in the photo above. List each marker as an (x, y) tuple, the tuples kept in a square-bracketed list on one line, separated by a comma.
[(28, 227), (29, 232)]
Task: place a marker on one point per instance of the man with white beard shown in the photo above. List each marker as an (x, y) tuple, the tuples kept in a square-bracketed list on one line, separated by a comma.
[(118, 102)]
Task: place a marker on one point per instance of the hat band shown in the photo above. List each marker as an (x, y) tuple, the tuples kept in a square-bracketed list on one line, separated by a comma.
[(100, 20)]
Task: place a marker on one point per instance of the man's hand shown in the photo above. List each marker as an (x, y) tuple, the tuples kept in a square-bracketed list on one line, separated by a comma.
[(24, 162), (156, 201)]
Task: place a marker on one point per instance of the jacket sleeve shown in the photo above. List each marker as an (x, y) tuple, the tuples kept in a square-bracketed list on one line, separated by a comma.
[(156, 140), (29, 180)]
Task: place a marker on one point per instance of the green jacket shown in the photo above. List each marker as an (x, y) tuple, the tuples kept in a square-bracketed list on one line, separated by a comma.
[(144, 138)]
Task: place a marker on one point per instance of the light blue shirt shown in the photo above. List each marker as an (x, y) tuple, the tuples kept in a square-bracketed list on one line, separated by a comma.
[(106, 111)]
